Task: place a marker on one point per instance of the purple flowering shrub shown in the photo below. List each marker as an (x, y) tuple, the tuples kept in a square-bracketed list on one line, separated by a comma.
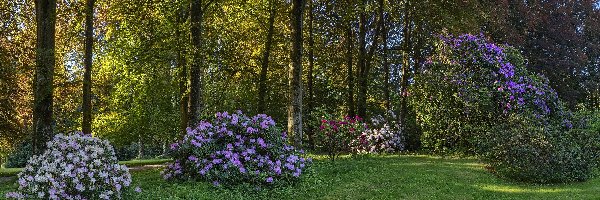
[(73, 167), (234, 148), (381, 137), (335, 137), (480, 99), (470, 85)]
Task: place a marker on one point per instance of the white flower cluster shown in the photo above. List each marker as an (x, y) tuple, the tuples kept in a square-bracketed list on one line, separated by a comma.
[(73, 167), (384, 139)]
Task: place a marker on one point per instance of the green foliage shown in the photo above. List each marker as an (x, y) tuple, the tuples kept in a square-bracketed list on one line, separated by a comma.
[(524, 150), (335, 137), (20, 156)]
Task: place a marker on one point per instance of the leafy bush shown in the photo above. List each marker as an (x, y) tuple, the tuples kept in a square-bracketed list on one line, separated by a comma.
[(524, 150), (233, 149), (471, 85), (484, 101), (335, 137), (20, 156), (381, 137), (73, 167)]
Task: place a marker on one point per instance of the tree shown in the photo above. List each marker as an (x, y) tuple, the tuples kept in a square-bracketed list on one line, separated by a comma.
[(311, 66), (262, 84), (197, 12), (44, 74), (295, 75), (183, 76), (87, 75), (365, 56)]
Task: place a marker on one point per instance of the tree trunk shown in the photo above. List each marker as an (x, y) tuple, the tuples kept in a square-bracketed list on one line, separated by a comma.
[(365, 58), (262, 85), (362, 54), (44, 74), (295, 75), (350, 76), (183, 77), (386, 64), (311, 64), (86, 125), (405, 63), (140, 147), (195, 102)]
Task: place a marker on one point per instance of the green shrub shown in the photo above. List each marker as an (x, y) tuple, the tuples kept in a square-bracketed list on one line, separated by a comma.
[(522, 149), (20, 156)]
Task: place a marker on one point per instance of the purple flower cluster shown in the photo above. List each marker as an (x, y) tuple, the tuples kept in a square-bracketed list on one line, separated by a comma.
[(234, 148), (480, 63), (73, 167)]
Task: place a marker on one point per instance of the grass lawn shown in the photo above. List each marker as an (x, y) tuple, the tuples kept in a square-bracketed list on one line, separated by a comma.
[(4, 172), (382, 177)]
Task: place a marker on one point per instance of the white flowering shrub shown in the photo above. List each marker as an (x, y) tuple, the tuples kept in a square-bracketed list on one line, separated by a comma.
[(73, 167), (379, 138)]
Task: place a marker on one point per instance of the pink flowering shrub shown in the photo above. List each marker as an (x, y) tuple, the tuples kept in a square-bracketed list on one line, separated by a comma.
[(234, 148), (335, 137), (73, 167), (381, 137)]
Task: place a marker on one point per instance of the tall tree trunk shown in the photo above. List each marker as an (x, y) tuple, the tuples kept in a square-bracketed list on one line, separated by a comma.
[(183, 77), (405, 63), (386, 64), (262, 85), (311, 64), (86, 125), (362, 54), (365, 58), (350, 75), (295, 75), (44, 74), (195, 103)]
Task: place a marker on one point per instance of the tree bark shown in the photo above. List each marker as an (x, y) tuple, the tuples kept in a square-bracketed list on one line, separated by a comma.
[(350, 75), (362, 51), (262, 85), (311, 64), (183, 76), (86, 125), (405, 62), (44, 74), (295, 75), (365, 58), (386, 64), (195, 102)]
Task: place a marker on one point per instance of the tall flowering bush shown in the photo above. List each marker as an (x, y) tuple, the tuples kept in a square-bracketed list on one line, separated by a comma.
[(472, 83), (381, 137), (336, 136), (479, 98), (234, 148), (73, 167)]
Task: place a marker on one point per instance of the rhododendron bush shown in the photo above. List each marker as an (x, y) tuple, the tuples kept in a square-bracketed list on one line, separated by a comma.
[(477, 97), (335, 137), (73, 167), (381, 137), (234, 148), (471, 85)]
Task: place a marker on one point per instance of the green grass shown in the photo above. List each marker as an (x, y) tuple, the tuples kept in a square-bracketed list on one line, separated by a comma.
[(135, 163), (382, 177), (4, 172), (9, 171)]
